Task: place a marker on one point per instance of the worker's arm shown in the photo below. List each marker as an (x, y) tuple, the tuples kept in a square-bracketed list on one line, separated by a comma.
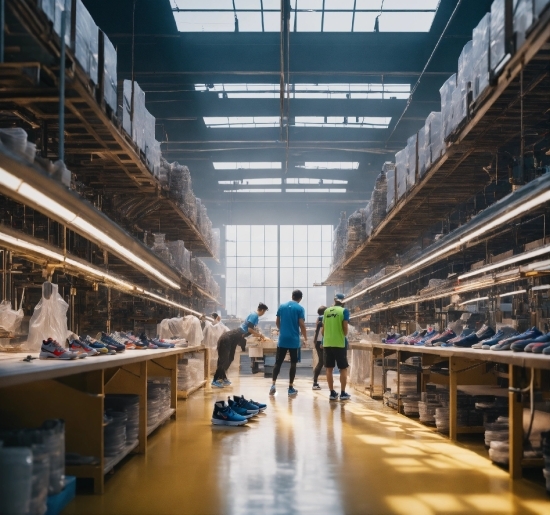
[(253, 332), (278, 322), (317, 331), (303, 329), (345, 325)]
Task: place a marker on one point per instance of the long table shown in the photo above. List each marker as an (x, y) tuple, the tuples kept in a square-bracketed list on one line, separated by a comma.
[(469, 367), (31, 392)]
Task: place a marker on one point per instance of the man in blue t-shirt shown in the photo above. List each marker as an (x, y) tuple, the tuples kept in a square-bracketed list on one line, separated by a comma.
[(290, 321), (228, 342)]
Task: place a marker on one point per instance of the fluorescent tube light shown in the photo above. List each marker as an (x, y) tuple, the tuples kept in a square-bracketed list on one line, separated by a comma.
[(540, 288), (506, 262), (47, 204), (512, 293), (473, 300)]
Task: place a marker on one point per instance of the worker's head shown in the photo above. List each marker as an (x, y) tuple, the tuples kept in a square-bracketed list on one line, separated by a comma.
[(339, 299), (321, 310), (262, 308), (297, 295), (216, 317)]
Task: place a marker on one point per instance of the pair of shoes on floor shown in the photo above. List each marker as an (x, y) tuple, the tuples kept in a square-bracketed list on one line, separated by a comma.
[(236, 411), (315, 386), (292, 392), (344, 396), (220, 383)]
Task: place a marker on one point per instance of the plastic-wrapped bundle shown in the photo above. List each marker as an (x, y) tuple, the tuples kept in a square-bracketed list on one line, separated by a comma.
[(424, 149), (134, 128), (480, 55), (86, 41), (190, 371), (379, 195), (179, 182), (15, 480), (60, 6), (49, 319), (497, 33), (150, 142), (188, 327), (369, 225), (437, 142), (189, 206), (10, 319), (48, 6), (109, 73), (339, 240), (463, 85), (446, 93), (356, 230), (412, 161), (53, 432), (114, 432), (216, 242), (523, 19), (129, 404), (210, 336), (540, 5), (181, 257), (164, 172), (401, 162), (16, 140), (158, 388), (161, 249), (391, 197)]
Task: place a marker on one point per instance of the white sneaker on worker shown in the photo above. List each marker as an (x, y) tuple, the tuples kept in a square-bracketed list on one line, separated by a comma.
[(272, 390)]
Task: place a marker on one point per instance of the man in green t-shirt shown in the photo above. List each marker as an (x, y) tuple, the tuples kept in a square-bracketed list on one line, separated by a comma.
[(335, 330)]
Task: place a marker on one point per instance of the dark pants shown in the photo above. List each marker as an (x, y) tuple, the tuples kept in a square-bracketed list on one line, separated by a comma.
[(227, 345), (281, 355), (320, 362)]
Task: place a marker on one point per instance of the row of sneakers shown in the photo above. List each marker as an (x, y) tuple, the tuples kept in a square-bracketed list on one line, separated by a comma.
[(508, 338), (102, 344), (236, 411)]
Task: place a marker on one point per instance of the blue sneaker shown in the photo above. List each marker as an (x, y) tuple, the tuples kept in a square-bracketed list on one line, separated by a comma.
[(238, 410), (261, 407), (226, 382), (223, 415), (217, 384), (345, 396), (248, 406), (333, 396), (272, 390), (292, 391), (112, 344)]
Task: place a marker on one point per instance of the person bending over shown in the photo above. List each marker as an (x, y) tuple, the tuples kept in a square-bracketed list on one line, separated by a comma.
[(335, 330), (318, 340), (290, 321), (227, 345)]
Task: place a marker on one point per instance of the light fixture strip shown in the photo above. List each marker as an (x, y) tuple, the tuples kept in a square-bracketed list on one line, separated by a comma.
[(512, 293)]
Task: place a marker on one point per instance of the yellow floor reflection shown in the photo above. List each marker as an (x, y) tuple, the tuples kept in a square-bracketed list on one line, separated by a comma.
[(307, 456)]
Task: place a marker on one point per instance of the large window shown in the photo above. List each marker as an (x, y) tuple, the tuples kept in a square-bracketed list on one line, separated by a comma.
[(253, 254)]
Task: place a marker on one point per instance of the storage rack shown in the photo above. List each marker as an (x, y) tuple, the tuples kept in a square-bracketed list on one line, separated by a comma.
[(30, 393), (98, 152), (468, 367), (493, 123)]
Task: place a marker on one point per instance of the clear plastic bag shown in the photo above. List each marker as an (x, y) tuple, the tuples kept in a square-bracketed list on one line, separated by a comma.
[(86, 41), (10, 320), (188, 327), (49, 319)]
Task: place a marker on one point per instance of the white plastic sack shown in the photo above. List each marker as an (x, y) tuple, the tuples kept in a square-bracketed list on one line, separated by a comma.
[(49, 319), (188, 327), (10, 320)]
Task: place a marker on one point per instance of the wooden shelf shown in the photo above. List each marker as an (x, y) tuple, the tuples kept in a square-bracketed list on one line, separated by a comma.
[(100, 153), (163, 418), (185, 394), (112, 461), (457, 175)]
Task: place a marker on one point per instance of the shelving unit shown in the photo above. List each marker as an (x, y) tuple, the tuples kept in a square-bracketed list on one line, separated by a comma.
[(469, 367), (29, 394)]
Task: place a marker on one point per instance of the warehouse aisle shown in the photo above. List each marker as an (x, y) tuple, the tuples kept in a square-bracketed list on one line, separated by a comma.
[(307, 456)]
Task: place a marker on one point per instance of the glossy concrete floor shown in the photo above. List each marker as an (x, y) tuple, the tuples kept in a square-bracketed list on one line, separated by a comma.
[(307, 456)]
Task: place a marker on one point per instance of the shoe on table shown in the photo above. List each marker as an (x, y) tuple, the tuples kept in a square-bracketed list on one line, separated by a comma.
[(292, 391), (99, 346), (223, 415), (503, 345), (248, 406), (226, 382), (546, 351), (333, 396), (538, 347), (315, 386), (272, 390), (217, 384), (238, 410), (53, 350), (344, 396), (82, 348)]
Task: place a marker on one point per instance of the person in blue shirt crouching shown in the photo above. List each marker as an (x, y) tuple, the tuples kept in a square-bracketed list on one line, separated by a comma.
[(290, 321), (228, 342)]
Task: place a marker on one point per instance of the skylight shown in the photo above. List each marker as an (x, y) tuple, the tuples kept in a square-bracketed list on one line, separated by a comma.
[(278, 181), (367, 91), (329, 165), (318, 190), (248, 166), (257, 122), (314, 181), (350, 122), (253, 182), (268, 190), (306, 15)]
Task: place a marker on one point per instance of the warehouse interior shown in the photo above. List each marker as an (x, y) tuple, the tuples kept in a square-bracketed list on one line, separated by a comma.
[(170, 168)]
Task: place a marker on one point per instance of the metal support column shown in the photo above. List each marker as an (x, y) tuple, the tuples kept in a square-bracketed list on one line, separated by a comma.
[(2, 24), (61, 150)]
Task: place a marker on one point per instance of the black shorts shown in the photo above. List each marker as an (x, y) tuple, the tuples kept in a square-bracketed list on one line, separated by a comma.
[(281, 355), (336, 355)]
